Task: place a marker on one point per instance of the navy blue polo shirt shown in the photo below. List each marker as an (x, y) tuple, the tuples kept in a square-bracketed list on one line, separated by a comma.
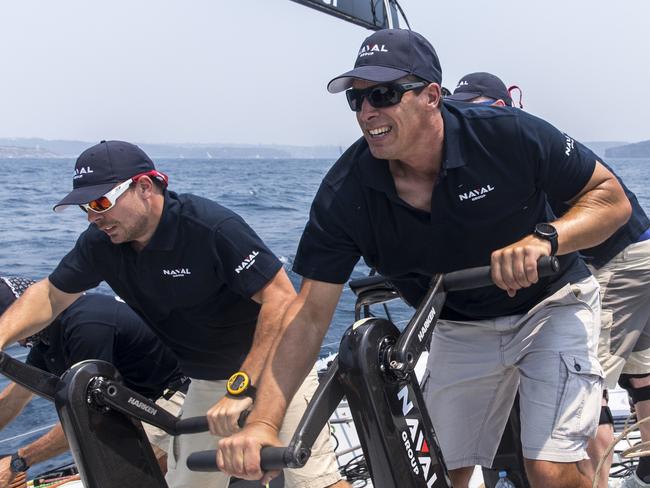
[(498, 167), (192, 283), (101, 327), (627, 234)]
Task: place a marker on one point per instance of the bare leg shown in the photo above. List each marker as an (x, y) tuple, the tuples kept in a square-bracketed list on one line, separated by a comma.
[(596, 449), (460, 477), (547, 474)]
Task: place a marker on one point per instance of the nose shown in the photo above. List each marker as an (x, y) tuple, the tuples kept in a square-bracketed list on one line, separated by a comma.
[(93, 217), (367, 112)]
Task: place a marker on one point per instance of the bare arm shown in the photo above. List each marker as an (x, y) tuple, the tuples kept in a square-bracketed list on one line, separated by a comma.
[(45, 447), (51, 444), (596, 213), (34, 310), (12, 401), (304, 325), (274, 298)]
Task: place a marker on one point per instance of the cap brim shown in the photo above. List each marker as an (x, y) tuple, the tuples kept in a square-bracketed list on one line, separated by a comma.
[(83, 195), (462, 96), (379, 74)]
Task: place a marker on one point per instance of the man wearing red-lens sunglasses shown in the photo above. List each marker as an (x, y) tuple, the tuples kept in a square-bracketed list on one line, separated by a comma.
[(202, 280)]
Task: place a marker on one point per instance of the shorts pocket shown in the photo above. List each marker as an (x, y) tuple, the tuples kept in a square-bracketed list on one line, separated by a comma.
[(580, 389)]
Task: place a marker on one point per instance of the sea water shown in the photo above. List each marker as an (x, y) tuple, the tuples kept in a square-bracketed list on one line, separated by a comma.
[(273, 196)]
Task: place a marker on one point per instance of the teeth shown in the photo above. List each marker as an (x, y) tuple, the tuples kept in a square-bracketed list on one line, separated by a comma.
[(379, 131)]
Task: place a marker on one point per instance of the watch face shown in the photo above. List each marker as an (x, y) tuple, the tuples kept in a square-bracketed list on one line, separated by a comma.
[(18, 465), (237, 383), (545, 229)]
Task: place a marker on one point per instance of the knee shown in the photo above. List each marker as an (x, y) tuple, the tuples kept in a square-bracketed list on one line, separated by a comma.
[(637, 386)]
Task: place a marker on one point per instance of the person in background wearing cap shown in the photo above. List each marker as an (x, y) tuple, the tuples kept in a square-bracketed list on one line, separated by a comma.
[(199, 277), (430, 188), (484, 89), (94, 327), (621, 264)]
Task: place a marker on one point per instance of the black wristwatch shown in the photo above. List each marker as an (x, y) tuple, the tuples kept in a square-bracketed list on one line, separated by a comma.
[(548, 232), (18, 463), (239, 385)]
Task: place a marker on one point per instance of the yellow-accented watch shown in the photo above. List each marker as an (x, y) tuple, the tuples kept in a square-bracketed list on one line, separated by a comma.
[(239, 384)]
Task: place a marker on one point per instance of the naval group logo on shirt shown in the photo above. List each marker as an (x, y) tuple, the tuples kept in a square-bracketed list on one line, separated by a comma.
[(177, 273), (247, 263), (476, 193), (568, 145)]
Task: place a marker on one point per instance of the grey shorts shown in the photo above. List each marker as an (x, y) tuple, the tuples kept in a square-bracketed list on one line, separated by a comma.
[(320, 471), (549, 355), (625, 294)]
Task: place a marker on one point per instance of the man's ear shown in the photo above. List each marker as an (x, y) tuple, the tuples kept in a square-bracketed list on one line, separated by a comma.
[(499, 103), (144, 186), (434, 94)]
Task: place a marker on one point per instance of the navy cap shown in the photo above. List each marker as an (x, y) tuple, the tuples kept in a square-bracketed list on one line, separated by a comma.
[(101, 167), (388, 55), (481, 84)]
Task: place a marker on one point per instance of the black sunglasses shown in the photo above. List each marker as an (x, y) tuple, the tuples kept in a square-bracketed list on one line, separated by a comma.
[(380, 96)]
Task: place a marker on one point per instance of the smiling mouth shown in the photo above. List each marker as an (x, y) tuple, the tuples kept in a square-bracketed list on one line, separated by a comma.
[(379, 132)]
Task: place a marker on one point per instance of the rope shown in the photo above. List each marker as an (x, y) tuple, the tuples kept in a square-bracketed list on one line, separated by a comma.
[(27, 433), (636, 450)]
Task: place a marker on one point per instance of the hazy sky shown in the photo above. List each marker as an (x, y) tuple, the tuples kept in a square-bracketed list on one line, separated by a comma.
[(254, 71)]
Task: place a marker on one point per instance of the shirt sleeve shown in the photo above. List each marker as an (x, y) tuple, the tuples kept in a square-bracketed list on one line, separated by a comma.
[(76, 272), (246, 263), (327, 252), (564, 166)]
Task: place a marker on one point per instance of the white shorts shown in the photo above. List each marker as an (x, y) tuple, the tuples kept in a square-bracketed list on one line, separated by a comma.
[(548, 355)]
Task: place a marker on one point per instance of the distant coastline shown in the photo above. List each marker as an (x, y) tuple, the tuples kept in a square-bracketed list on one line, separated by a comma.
[(637, 150), (35, 148)]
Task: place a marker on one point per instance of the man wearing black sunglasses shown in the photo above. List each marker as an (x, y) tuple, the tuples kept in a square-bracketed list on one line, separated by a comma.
[(432, 188), (198, 275)]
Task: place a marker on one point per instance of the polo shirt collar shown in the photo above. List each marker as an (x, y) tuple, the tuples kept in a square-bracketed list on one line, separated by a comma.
[(376, 173), (164, 237), (452, 155)]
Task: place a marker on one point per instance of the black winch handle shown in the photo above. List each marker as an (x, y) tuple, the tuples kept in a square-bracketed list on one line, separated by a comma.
[(466, 279), (271, 458), (194, 425)]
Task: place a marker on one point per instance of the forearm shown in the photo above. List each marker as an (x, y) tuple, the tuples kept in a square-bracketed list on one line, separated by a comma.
[(267, 332), (12, 400), (293, 357), (593, 217), (51, 444), (33, 311)]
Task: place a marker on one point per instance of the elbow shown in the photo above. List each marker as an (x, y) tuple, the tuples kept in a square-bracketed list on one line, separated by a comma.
[(623, 209)]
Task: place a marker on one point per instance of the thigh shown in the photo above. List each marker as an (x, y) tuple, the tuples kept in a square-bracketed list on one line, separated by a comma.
[(322, 469), (156, 435), (469, 388), (561, 378), (201, 395), (625, 292)]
